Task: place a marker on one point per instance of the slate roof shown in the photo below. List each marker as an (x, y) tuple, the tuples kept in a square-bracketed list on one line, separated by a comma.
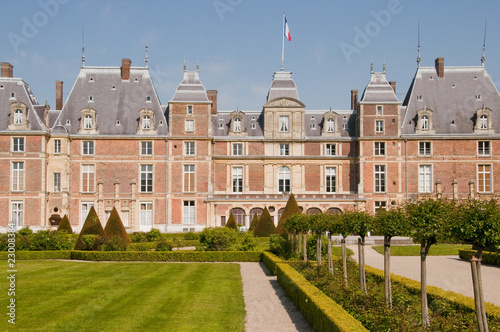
[(113, 99), (451, 98), (190, 89), (378, 90), (22, 91), (282, 86)]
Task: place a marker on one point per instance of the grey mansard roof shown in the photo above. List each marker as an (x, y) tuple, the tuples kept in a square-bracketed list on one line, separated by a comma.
[(117, 102), (453, 99), (378, 90), (190, 89), (282, 86)]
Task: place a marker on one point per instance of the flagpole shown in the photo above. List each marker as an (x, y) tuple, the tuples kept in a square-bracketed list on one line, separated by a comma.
[(283, 44)]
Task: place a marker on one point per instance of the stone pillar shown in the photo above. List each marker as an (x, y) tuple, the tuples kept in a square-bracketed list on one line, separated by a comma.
[(132, 206), (100, 200), (117, 194), (472, 189), (439, 189), (454, 185)]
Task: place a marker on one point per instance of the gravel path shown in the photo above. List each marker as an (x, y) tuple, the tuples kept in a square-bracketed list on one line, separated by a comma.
[(446, 272), (267, 307)]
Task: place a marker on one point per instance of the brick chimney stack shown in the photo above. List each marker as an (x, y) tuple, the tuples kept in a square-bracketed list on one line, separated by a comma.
[(393, 85), (212, 96), (7, 70), (439, 63), (354, 99), (126, 69), (59, 95)]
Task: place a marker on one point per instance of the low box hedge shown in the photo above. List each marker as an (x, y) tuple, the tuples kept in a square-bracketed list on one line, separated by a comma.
[(33, 255), (323, 313), (492, 258), (168, 256), (459, 299)]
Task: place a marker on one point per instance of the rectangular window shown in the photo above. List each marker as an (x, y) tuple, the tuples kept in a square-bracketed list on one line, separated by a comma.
[(484, 177), (146, 178), (424, 179), (18, 144), (88, 178), (146, 215), (379, 110), (88, 147), (190, 109), (189, 178), (380, 178), (331, 179), (379, 126), (424, 148), (330, 149), (86, 206), (18, 176), (237, 179), (146, 148), (57, 182), (483, 148), (17, 213), (284, 123), (189, 212), (380, 205), (380, 148), (57, 146), (237, 149), (189, 148), (189, 126), (284, 149)]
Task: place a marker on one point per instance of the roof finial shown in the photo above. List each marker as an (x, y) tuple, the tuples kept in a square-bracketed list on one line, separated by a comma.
[(483, 58), (197, 65), (146, 59), (418, 47), (383, 68), (371, 67), (184, 63), (83, 46)]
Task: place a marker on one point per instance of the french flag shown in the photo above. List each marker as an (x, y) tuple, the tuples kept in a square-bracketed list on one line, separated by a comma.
[(286, 31)]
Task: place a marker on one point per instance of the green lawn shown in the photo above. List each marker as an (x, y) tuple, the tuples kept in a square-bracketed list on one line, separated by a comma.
[(435, 250), (84, 296)]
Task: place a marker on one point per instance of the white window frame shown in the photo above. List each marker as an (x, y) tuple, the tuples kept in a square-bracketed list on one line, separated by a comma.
[(189, 212), (484, 148), (379, 126), (380, 178), (146, 148), (88, 148), (146, 215), (284, 123), (380, 110), (189, 148), (484, 183), (147, 177), (331, 179), (425, 149), (17, 175), (378, 205), (88, 122), (189, 109), (57, 146), (189, 126), (284, 179), (284, 149), (237, 125), (237, 149), (330, 149), (237, 179), (18, 144), (424, 122), (146, 122), (57, 181), (18, 117), (17, 213), (84, 211), (425, 179), (483, 121), (88, 173), (330, 125), (188, 175), (379, 148)]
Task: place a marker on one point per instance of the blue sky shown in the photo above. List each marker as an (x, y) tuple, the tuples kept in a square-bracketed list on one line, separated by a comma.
[(238, 43)]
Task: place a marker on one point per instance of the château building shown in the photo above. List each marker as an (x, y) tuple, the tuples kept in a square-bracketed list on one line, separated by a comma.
[(187, 165)]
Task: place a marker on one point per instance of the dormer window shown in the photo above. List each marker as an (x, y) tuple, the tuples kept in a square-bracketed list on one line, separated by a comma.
[(148, 98), (18, 117), (12, 95), (284, 123), (237, 125), (330, 125), (483, 122), (146, 122), (221, 126), (91, 79), (91, 98), (254, 126), (424, 122), (313, 126), (87, 122), (478, 97)]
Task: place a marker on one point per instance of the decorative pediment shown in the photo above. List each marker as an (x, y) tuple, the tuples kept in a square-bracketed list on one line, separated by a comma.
[(483, 123), (424, 122), (146, 122), (285, 102), (330, 124), (88, 121), (237, 126), (18, 119)]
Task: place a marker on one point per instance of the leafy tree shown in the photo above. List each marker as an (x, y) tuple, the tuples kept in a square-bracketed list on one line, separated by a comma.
[(427, 219), (114, 227), (254, 223), (291, 209), (390, 223), (265, 227), (477, 222), (230, 222), (319, 223), (92, 226), (300, 224), (337, 225), (359, 222), (64, 225), (217, 239)]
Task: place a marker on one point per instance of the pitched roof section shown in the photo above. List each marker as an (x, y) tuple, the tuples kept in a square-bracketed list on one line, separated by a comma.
[(282, 86), (191, 89), (378, 91), (453, 99), (117, 102)]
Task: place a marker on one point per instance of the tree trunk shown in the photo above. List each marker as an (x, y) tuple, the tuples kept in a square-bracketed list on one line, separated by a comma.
[(478, 287), (318, 248), (423, 284), (299, 242), (305, 246), (344, 259), (362, 275), (387, 272), (330, 262), (477, 301)]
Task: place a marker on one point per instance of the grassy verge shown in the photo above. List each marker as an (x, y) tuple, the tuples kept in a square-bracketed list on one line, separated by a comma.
[(76, 296), (435, 250)]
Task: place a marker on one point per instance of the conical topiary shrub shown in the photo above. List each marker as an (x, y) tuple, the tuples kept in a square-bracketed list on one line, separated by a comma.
[(291, 209), (114, 227), (254, 223), (92, 226), (230, 222), (265, 227), (65, 225)]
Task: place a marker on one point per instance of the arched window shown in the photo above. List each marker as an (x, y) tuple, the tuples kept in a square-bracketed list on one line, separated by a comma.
[(483, 122), (330, 125), (237, 125), (239, 216), (280, 213), (313, 211), (256, 211), (146, 122), (87, 122), (424, 122), (333, 210), (284, 179), (18, 117)]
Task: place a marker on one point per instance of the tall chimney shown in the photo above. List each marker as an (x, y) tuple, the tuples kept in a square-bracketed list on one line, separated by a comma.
[(7, 69), (59, 95), (354, 98), (439, 63), (393, 85), (212, 96), (126, 69)]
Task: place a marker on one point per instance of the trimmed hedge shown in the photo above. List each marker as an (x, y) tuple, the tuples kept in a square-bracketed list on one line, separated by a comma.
[(323, 313), (34, 255), (433, 291), (169, 256), (489, 257)]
